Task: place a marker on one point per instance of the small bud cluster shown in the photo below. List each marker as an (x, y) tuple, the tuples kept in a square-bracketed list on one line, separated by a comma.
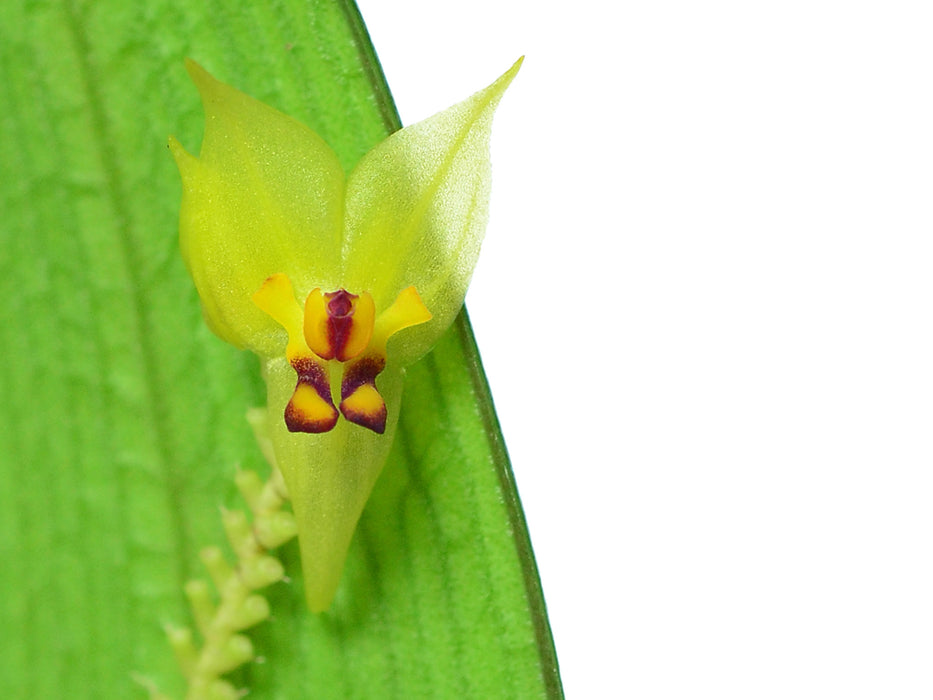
[(220, 624)]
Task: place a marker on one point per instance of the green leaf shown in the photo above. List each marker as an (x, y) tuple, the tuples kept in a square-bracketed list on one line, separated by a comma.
[(124, 416)]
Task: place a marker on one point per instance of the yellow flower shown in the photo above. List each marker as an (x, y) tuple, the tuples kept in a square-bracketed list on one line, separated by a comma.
[(336, 282)]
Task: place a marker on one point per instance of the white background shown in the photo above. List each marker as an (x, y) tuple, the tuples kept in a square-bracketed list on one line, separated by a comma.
[(704, 307)]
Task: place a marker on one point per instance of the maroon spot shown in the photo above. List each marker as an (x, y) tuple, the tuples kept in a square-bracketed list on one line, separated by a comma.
[(362, 372), (312, 374), (340, 303), (339, 320)]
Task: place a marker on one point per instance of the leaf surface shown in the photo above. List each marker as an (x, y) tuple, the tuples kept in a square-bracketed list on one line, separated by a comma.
[(124, 417)]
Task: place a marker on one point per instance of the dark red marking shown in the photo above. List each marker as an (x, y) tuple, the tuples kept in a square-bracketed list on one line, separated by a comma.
[(312, 374), (339, 321), (364, 371)]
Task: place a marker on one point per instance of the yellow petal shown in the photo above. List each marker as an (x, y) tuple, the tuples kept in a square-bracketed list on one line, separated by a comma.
[(407, 310), (276, 297)]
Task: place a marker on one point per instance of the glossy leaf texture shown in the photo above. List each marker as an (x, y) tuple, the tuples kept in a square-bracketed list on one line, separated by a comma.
[(124, 416)]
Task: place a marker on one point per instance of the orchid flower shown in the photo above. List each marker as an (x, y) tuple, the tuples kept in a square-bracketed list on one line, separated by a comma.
[(335, 282)]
